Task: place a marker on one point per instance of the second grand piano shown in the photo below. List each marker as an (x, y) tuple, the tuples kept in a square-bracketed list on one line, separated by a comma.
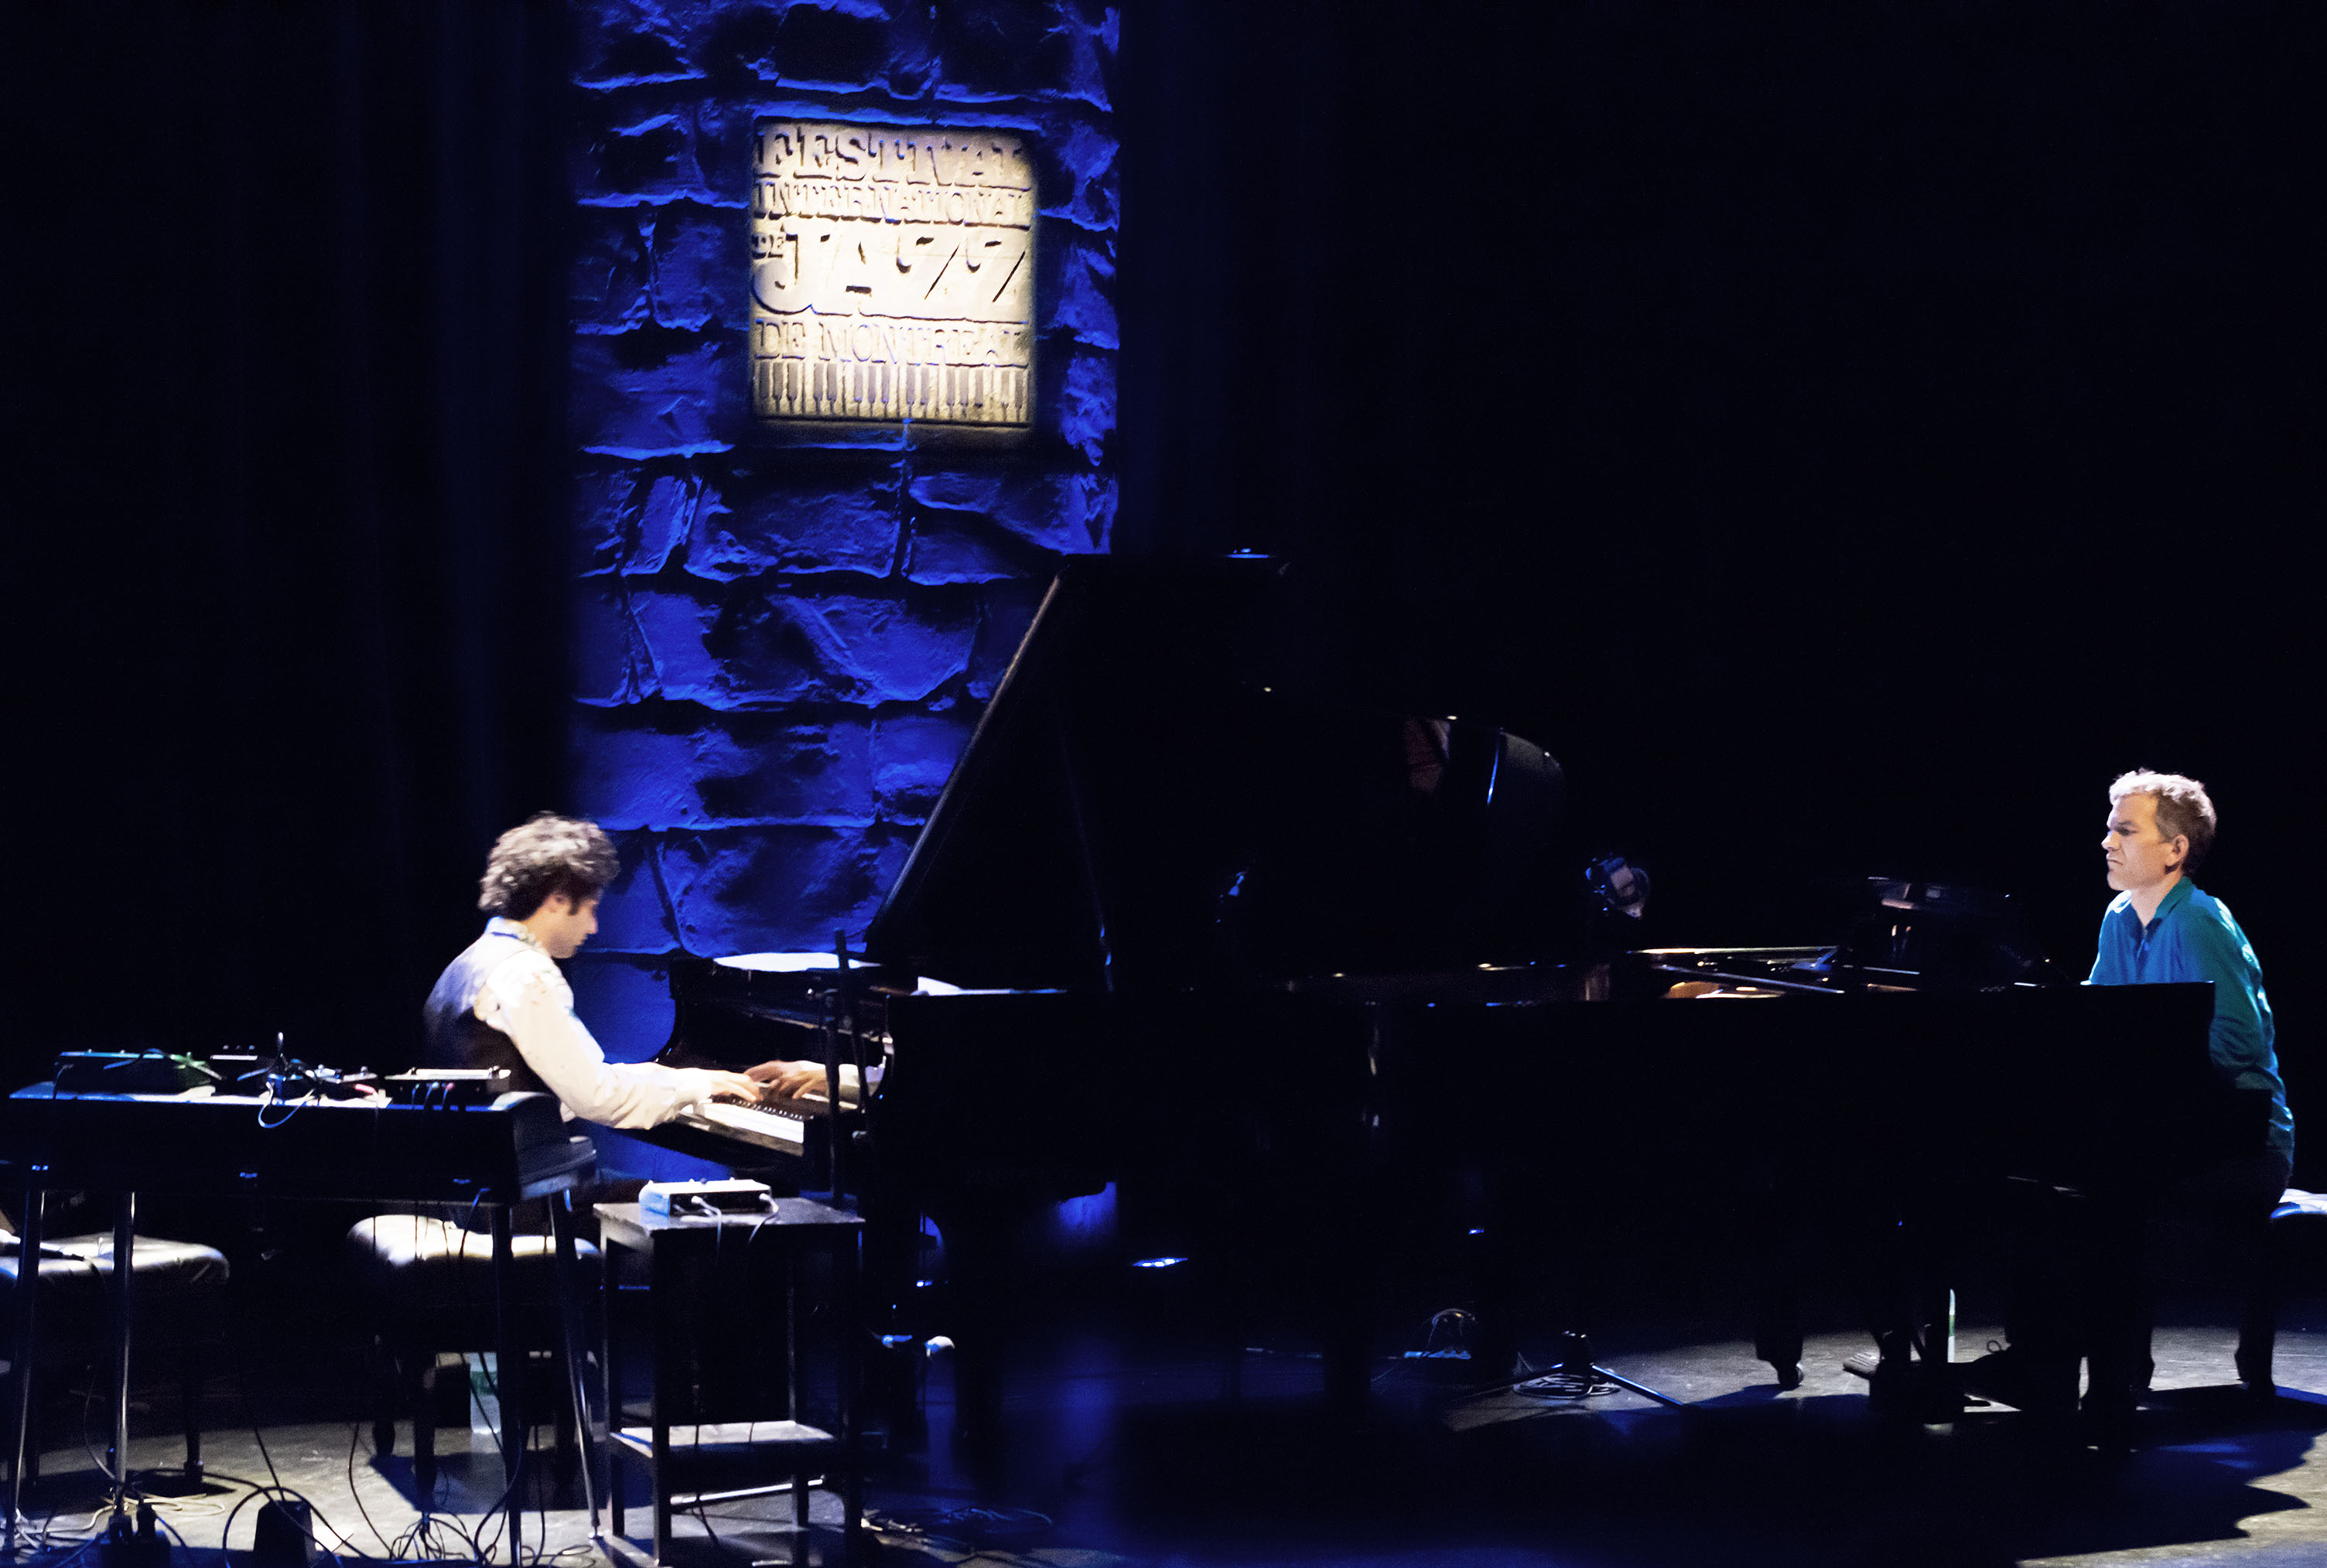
[(1286, 972)]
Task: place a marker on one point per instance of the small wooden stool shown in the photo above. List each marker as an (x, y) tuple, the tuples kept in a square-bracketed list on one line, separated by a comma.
[(688, 1461)]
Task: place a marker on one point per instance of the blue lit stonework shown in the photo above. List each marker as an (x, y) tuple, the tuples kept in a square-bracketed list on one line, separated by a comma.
[(779, 650)]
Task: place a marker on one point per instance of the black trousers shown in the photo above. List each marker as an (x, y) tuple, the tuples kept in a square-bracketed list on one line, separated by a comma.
[(2088, 1265)]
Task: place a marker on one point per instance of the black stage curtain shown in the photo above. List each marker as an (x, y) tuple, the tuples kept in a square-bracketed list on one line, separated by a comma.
[(1846, 438), (284, 366), (1845, 441)]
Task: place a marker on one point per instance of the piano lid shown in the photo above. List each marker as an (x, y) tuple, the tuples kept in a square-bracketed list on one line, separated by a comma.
[(1142, 806)]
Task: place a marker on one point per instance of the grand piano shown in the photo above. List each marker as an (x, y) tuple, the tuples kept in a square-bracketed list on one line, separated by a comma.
[(1318, 987)]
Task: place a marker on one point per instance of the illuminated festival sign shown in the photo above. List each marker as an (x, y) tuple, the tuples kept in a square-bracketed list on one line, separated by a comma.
[(892, 275)]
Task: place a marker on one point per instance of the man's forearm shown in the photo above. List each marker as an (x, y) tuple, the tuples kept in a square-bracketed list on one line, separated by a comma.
[(623, 1094), (563, 1054)]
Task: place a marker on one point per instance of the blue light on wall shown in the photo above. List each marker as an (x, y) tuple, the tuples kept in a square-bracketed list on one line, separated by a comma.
[(1084, 1224), (778, 652)]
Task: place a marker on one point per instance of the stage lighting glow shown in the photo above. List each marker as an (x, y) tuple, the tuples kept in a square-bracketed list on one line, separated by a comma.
[(1157, 1262)]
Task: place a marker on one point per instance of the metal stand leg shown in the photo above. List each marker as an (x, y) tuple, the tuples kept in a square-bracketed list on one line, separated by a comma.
[(569, 1304), (510, 1382), (662, 1302), (124, 1241), (610, 1368), (1578, 1363), (851, 1331), (793, 1403), (1642, 1389), (28, 1279), (190, 1398)]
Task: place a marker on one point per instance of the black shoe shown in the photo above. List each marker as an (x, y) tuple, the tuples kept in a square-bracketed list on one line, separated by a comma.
[(1891, 1381), (2013, 1376), (2254, 1371), (2107, 1419)]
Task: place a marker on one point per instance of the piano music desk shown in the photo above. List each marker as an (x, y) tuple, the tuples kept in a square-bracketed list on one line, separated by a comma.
[(675, 1457)]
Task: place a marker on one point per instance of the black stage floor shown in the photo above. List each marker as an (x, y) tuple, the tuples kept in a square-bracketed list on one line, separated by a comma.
[(1121, 1452)]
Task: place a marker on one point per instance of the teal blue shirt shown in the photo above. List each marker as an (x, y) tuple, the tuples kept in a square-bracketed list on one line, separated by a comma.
[(2193, 938)]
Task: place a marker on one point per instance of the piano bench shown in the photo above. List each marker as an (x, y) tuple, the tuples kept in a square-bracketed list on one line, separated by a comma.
[(429, 1282), (2293, 1249), (177, 1293)]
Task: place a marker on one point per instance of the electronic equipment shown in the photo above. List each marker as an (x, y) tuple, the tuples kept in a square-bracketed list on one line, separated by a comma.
[(284, 1535), (448, 1086), (512, 1148), (240, 1072), (128, 1072), (681, 1198)]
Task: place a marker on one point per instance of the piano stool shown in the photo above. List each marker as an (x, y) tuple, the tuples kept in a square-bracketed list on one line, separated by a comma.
[(178, 1289), (2294, 1251), (729, 1460), (430, 1288)]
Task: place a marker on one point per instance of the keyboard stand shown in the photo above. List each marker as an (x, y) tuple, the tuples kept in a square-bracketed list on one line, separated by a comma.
[(93, 1164)]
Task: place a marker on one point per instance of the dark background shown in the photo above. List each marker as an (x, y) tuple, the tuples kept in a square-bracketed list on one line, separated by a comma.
[(1845, 443), (283, 361)]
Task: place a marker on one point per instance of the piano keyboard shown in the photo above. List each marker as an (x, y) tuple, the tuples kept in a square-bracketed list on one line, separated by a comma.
[(770, 1128)]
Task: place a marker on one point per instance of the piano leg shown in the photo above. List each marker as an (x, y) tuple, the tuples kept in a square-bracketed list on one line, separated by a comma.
[(1776, 1221), (28, 1277), (1937, 1391), (1343, 1308), (891, 1265), (981, 1239), (2114, 1329), (1796, 1214)]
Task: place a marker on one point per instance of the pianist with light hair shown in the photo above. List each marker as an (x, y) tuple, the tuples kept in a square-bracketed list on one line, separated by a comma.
[(504, 1003), (2162, 929)]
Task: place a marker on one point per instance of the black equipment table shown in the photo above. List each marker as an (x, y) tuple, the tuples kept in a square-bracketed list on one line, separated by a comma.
[(484, 1157)]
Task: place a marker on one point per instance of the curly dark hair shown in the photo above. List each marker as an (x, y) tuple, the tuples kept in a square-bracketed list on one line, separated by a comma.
[(547, 855)]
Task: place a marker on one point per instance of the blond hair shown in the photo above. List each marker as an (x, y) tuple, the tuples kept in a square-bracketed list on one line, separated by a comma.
[(2183, 809)]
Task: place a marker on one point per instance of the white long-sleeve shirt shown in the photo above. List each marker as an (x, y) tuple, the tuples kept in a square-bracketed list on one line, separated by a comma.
[(526, 998)]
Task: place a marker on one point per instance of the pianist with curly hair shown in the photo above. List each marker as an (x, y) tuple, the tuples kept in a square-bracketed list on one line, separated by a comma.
[(504, 1003)]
